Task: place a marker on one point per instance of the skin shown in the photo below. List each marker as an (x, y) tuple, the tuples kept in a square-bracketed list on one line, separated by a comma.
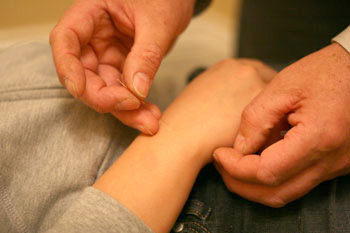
[(163, 168), (313, 95), (100, 47)]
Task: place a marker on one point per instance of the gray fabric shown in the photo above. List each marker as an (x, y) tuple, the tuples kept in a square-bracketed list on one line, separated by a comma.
[(52, 149)]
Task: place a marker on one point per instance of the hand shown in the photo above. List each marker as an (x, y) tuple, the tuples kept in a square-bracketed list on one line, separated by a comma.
[(162, 168), (313, 94), (207, 113), (107, 52)]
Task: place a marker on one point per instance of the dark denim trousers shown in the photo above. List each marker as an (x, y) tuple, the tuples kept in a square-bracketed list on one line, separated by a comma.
[(211, 208), (277, 32)]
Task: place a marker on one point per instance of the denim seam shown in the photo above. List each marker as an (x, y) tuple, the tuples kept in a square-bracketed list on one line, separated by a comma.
[(198, 225), (201, 205), (203, 217), (192, 229), (197, 203)]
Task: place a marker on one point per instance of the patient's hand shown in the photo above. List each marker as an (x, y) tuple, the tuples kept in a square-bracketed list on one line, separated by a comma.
[(163, 168), (207, 113)]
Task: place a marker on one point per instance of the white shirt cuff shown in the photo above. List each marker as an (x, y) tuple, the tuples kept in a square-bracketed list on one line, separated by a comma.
[(343, 39)]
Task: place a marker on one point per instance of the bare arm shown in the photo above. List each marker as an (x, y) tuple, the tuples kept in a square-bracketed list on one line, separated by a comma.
[(155, 174)]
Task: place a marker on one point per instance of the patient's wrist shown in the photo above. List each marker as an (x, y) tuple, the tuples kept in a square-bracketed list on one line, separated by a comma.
[(172, 141)]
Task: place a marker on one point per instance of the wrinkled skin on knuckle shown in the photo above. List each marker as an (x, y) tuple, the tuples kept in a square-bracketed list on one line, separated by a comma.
[(227, 63), (153, 55), (334, 136), (98, 107), (52, 36), (248, 71)]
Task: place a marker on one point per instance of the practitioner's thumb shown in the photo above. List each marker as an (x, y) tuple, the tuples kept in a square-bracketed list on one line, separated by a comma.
[(142, 63)]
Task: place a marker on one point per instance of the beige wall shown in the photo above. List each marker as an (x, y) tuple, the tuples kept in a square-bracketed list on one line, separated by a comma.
[(25, 12), (14, 13)]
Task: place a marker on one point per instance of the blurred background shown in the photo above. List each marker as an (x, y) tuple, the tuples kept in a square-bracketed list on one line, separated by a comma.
[(209, 38)]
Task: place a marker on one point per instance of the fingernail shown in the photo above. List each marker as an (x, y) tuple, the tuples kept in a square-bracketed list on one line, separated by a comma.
[(145, 130), (128, 104), (71, 87), (141, 84), (240, 143)]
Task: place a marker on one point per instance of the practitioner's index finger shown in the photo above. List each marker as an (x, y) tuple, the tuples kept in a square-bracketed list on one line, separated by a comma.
[(66, 54), (73, 31)]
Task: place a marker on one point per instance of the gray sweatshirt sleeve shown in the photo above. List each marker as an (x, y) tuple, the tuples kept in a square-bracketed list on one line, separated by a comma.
[(343, 39), (96, 212), (52, 149)]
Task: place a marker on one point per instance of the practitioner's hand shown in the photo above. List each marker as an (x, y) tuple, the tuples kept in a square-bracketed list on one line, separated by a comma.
[(314, 95), (101, 45), (207, 113)]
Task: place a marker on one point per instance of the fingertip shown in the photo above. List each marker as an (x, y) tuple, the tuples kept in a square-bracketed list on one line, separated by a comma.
[(148, 128), (240, 143), (71, 87), (71, 74), (145, 130), (221, 154), (154, 110), (141, 84), (141, 119)]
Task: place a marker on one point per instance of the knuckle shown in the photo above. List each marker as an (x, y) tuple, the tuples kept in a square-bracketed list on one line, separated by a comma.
[(98, 108), (152, 54), (266, 177), (224, 65), (221, 150), (52, 36), (244, 68), (227, 62), (333, 138), (247, 71)]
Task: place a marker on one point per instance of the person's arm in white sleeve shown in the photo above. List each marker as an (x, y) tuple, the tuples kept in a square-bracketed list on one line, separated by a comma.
[(343, 39)]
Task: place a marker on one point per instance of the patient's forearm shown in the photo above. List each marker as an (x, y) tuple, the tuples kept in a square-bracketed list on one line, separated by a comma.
[(153, 178), (155, 174)]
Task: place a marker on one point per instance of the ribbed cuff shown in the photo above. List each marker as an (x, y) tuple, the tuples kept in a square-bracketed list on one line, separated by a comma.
[(343, 39)]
